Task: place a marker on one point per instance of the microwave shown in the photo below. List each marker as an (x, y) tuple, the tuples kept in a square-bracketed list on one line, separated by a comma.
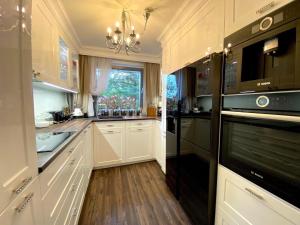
[(264, 56)]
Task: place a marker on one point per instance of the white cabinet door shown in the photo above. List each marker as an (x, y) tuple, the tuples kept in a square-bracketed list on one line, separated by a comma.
[(74, 70), (249, 204), (88, 149), (17, 133), (64, 63), (139, 143), (109, 145), (25, 209), (240, 13), (44, 41), (222, 218), (202, 33), (158, 145)]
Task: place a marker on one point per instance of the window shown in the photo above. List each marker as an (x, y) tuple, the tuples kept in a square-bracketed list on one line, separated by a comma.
[(123, 90)]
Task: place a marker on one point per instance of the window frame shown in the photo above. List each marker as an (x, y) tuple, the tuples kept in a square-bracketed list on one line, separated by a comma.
[(141, 70)]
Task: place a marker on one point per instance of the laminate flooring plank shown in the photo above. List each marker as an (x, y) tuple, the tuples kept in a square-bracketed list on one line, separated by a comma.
[(131, 195)]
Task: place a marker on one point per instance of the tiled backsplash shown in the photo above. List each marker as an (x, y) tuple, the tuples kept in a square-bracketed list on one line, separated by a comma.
[(46, 101)]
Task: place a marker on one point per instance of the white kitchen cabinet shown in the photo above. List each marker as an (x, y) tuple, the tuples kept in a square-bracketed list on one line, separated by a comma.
[(64, 63), (139, 143), (17, 133), (159, 145), (88, 151), (51, 53), (74, 67), (239, 201), (198, 34), (240, 13), (25, 209), (44, 43), (109, 144)]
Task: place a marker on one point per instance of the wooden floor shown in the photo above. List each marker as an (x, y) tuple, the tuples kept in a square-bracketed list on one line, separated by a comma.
[(131, 195)]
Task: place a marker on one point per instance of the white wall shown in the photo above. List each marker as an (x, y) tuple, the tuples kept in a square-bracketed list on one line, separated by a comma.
[(46, 101)]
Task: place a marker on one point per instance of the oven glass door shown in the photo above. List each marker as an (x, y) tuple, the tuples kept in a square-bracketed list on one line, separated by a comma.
[(267, 152)]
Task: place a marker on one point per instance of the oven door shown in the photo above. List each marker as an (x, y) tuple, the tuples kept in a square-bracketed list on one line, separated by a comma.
[(264, 149)]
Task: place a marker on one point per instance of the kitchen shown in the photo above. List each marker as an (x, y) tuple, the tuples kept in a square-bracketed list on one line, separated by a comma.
[(192, 119)]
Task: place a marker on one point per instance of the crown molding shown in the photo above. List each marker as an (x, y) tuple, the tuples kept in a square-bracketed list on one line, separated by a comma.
[(183, 16), (108, 53), (62, 19)]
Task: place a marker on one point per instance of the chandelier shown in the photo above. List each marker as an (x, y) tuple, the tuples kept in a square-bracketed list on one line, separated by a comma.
[(126, 36)]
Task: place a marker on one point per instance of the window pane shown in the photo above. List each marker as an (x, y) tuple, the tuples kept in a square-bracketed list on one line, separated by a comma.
[(123, 90)]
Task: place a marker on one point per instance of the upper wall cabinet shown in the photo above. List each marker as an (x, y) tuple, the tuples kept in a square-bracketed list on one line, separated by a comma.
[(51, 52), (240, 13), (199, 30), (43, 38), (75, 70)]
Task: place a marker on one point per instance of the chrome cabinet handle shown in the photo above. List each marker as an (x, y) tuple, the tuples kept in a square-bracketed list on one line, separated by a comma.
[(266, 8), (22, 186), (72, 162), (75, 212), (254, 194), (109, 125), (71, 150), (23, 205), (36, 74), (73, 187), (140, 129), (110, 131)]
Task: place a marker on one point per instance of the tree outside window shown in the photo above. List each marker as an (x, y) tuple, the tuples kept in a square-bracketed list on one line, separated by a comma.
[(123, 90)]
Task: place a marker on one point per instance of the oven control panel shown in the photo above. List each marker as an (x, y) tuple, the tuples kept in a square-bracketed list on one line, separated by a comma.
[(288, 101)]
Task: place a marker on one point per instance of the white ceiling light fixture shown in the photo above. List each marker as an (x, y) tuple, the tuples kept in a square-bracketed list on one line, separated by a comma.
[(122, 37)]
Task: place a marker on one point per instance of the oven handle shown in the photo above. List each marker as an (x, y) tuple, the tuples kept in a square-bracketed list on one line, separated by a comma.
[(295, 119)]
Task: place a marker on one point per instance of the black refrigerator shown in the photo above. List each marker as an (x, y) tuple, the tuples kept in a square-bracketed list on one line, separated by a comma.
[(192, 136)]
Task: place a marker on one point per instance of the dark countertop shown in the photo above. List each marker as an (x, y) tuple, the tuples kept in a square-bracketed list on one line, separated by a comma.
[(76, 125), (45, 158)]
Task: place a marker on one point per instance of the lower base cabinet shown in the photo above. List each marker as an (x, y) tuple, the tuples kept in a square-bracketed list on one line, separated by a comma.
[(138, 143), (65, 181), (25, 209), (240, 202), (109, 143), (117, 143)]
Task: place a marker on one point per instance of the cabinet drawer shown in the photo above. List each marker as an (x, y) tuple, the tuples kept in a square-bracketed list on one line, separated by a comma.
[(55, 197), (74, 212), (50, 175), (109, 124), (70, 196), (25, 209), (250, 204), (139, 123)]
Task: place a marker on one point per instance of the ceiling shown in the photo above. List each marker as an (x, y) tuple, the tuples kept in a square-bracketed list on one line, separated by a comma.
[(90, 19)]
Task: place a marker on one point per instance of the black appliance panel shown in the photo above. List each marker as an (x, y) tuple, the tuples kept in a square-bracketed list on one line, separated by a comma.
[(195, 168), (266, 62), (191, 160), (265, 152), (273, 103)]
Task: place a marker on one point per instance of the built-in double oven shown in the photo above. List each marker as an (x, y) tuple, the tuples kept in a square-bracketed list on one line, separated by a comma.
[(264, 146), (260, 117)]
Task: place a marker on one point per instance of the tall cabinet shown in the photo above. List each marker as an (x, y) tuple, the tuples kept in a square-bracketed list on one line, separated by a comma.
[(18, 168)]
